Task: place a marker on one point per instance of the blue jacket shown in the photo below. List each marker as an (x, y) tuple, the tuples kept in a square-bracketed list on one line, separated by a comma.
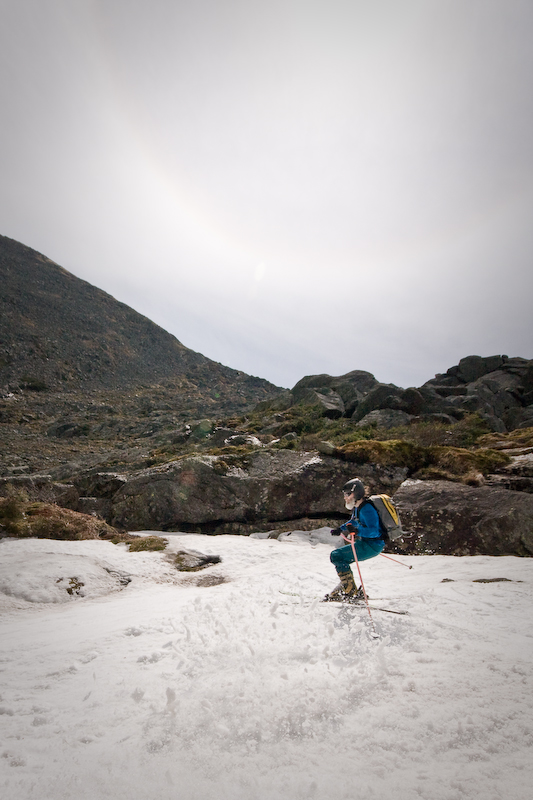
[(366, 522)]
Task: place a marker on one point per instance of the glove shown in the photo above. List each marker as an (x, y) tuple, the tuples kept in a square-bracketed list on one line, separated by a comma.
[(350, 528), (335, 531)]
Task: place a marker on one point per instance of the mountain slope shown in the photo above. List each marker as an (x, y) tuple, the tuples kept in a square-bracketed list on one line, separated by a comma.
[(62, 333)]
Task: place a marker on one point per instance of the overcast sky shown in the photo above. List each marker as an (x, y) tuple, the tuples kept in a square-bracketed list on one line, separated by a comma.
[(289, 187)]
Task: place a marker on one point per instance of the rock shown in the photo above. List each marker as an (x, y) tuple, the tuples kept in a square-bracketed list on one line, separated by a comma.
[(384, 395), (518, 418), (67, 430), (332, 403), (193, 561), (515, 483), (520, 465), (453, 519), (358, 379), (385, 418), (95, 506), (220, 434), (99, 484), (434, 403), (471, 368), (351, 387), (206, 493), (241, 439), (497, 388), (326, 448), (201, 430)]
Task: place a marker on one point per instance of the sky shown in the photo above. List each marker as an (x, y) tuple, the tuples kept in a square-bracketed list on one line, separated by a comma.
[(290, 188), (237, 683)]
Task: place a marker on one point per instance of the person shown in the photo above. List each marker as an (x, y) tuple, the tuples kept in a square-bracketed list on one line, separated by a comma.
[(369, 542)]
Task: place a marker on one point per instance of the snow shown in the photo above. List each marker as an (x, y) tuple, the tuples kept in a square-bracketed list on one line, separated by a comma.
[(236, 683)]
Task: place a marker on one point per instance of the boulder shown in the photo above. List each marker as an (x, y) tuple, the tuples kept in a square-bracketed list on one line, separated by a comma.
[(498, 388), (332, 403), (98, 484), (385, 418), (518, 418), (220, 435), (95, 506), (207, 492), (351, 387), (201, 430), (384, 395), (471, 368), (358, 379), (520, 465), (453, 519)]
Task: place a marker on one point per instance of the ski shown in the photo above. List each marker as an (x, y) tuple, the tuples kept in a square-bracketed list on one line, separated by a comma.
[(357, 604), (372, 608)]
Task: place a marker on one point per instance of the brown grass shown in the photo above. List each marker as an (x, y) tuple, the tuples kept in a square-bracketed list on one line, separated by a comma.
[(20, 518)]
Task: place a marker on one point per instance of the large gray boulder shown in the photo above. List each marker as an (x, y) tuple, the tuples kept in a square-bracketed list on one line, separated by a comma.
[(351, 388), (498, 388), (331, 402), (385, 418), (206, 492), (453, 519)]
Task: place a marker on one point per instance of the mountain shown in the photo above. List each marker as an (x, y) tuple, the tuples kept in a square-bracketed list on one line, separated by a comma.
[(58, 332), (86, 380)]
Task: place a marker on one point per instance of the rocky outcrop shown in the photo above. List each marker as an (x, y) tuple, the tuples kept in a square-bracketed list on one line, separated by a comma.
[(341, 394), (453, 519), (384, 418), (208, 493), (517, 475), (498, 388)]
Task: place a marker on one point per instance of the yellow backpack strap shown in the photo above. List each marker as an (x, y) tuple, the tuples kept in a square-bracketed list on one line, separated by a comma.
[(387, 502)]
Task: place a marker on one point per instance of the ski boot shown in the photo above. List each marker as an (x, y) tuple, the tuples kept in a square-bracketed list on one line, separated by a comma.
[(346, 591)]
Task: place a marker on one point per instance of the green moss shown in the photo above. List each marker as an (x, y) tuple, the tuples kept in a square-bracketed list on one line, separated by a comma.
[(428, 463), (147, 543), (459, 461), (395, 452), (522, 437)]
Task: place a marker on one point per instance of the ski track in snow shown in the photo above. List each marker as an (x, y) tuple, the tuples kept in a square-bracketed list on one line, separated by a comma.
[(171, 690)]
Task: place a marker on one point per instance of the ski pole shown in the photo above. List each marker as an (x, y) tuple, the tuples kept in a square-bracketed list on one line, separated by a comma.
[(409, 566), (351, 540)]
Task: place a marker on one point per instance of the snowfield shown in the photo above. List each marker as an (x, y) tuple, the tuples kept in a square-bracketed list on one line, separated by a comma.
[(236, 683)]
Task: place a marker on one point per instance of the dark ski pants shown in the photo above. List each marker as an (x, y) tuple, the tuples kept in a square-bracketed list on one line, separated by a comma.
[(342, 557)]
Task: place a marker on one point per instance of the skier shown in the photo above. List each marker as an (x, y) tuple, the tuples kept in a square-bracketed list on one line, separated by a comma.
[(369, 542)]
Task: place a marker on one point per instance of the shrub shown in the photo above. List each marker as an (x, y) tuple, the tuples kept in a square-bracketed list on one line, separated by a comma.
[(13, 514)]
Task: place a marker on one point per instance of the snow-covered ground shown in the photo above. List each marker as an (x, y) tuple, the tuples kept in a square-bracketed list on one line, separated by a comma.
[(173, 689)]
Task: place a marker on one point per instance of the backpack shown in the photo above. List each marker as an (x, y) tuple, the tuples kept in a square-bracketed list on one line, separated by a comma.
[(389, 519)]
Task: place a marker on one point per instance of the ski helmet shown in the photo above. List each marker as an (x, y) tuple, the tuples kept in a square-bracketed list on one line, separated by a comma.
[(356, 486)]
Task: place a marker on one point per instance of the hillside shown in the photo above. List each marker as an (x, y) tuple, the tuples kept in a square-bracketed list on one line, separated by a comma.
[(86, 380), (58, 332)]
